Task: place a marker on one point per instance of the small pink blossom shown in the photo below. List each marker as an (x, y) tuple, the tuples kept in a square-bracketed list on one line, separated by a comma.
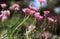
[(15, 6), (24, 9), (46, 12), (41, 17), (31, 12), (31, 27), (43, 35), (28, 11), (38, 16), (54, 17), (3, 5), (51, 19), (5, 13), (4, 18), (1, 15), (41, 1), (33, 8)]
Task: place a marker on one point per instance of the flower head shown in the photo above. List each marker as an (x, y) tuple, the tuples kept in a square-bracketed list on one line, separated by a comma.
[(28, 11), (43, 35), (41, 1), (15, 6), (34, 5), (4, 18), (3, 5), (1, 16), (55, 18), (31, 27), (46, 12), (33, 8), (5, 12), (51, 19), (37, 15)]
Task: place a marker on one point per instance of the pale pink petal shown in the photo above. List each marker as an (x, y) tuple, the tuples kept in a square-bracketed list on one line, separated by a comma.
[(3, 5), (46, 12), (31, 27), (51, 19), (4, 18)]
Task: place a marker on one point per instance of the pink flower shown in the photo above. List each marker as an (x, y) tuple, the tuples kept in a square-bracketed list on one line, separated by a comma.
[(43, 35), (28, 11), (1, 15), (41, 1), (37, 15), (33, 8), (51, 19), (5, 12), (24, 10), (15, 6), (4, 18), (31, 12), (54, 17), (3, 5), (46, 12), (41, 17), (31, 27)]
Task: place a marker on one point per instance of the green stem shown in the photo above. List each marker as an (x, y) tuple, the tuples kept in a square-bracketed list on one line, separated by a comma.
[(44, 23), (27, 34), (53, 25), (20, 25), (45, 20), (34, 22), (47, 25)]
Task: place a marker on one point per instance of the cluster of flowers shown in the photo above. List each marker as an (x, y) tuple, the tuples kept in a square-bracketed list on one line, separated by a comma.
[(5, 13), (41, 35), (32, 11)]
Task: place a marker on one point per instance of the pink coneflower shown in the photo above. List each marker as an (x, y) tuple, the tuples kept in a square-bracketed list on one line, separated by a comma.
[(15, 6), (55, 18), (28, 11), (43, 35), (5, 13), (51, 19), (25, 9), (3, 5), (1, 15), (41, 1), (4, 18), (33, 8), (31, 27), (37, 15), (46, 12), (41, 17)]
